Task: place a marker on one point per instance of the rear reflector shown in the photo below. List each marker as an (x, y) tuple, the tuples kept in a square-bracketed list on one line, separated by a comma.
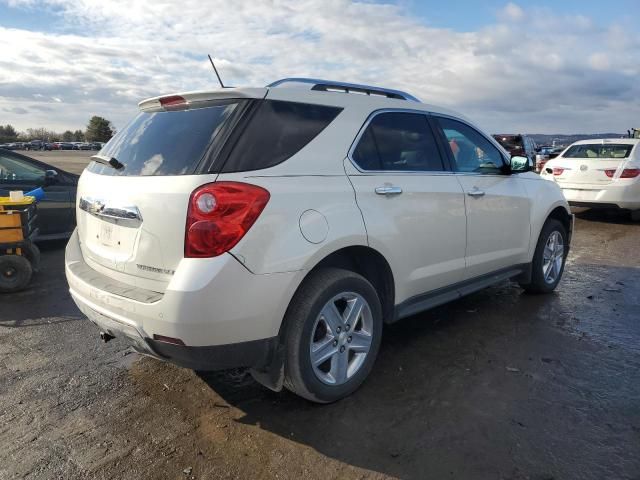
[(171, 340), (219, 215), (626, 173), (173, 102)]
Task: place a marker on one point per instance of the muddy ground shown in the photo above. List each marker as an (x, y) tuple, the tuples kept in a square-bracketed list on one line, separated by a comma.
[(499, 385)]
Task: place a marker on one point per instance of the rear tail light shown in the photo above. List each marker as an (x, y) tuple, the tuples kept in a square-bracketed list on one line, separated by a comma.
[(219, 215), (559, 170), (626, 173)]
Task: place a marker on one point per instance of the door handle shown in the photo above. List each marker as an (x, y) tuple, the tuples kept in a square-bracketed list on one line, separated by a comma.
[(388, 190), (475, 192)]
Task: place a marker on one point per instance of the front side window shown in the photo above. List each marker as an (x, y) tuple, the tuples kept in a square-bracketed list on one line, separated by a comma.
[(470, 150), (14, 171), (398, 141)]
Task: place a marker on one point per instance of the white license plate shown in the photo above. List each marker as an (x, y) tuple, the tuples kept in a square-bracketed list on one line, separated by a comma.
[(108, 234), (574, 194)]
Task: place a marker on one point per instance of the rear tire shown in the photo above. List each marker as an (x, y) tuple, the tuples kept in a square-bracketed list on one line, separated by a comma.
[(15, 273), (549, 258), (332, 337)]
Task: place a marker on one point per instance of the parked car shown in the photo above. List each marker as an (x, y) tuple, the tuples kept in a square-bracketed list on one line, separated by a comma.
[(545, 154), (518, 144), (599, 174), (37, 145), (56, 213), (311, 217)]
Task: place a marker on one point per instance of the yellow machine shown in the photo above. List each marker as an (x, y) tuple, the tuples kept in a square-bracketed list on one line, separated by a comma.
[(19, 256)]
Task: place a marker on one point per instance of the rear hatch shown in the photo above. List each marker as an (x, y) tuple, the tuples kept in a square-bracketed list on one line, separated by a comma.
[(133, 198), (596, 164)]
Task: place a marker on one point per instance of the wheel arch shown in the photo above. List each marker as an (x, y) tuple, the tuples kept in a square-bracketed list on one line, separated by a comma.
[(361, 259), (369, 263)]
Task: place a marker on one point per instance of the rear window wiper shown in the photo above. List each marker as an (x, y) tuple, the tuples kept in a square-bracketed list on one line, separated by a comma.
[(111, 161)]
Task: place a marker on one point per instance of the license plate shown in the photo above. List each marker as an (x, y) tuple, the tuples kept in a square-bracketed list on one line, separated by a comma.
[(108, 234)]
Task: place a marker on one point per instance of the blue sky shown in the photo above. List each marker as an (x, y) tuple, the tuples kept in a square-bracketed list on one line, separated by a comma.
[(538, 67), (470, 15)]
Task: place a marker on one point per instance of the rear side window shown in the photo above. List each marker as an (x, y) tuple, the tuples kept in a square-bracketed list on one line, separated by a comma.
[(166, 143), (398, 141), (599, 150), (276, 131)]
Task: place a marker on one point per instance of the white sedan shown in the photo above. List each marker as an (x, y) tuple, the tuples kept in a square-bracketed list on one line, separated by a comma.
[(599, 174)]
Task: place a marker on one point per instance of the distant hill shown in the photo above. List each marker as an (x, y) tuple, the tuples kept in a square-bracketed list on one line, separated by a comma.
[(544, 139)]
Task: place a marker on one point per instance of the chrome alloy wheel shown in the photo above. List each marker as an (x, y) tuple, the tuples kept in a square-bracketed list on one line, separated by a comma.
[(552, 257), (341, 338)]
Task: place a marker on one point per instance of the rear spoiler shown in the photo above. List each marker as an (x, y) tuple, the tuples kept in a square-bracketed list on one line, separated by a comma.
[(159, 104)]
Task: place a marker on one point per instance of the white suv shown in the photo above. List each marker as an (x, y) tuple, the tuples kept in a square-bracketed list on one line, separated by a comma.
[(278, 228)]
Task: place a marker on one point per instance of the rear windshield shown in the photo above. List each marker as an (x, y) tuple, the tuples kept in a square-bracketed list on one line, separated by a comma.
[(166, 143), (599, 150)]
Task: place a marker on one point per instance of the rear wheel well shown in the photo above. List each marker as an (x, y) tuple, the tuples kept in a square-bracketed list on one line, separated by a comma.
[(371, 265), (362, 260)]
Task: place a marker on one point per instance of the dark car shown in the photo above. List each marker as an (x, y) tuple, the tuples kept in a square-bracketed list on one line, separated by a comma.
[(56, 212), (518, 145)]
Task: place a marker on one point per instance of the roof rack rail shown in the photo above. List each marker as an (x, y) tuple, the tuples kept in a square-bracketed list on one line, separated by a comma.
[(331, 86)]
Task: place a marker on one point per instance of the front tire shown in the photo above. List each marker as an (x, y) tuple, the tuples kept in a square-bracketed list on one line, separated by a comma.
[(333, 331), (549, 258)]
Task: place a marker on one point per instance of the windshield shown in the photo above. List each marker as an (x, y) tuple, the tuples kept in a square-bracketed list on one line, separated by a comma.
[(166, 143), (599, 150)]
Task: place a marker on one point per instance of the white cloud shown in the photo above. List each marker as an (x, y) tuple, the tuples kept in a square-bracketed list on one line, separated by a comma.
[(599, 61), (546, 77), (511, 12)]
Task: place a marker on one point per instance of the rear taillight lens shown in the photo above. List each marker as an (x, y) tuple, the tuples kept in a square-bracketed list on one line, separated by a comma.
[(559, 170), (626, 173), (219, 215), (173, 102)]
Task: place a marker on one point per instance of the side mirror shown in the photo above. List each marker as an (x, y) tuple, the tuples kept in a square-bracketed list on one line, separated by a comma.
[(520, 164), (50, 177)]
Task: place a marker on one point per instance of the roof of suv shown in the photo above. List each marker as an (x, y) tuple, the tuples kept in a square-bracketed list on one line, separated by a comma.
[(309, 90)]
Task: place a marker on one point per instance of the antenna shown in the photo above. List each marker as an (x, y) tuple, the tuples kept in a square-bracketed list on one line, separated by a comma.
[(216, 70)]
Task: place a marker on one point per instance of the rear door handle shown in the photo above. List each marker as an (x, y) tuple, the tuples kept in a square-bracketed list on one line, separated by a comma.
[(475, 193), (388, 190)]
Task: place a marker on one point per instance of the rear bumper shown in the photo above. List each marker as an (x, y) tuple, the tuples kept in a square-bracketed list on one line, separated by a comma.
[(206, 306), (605, 196)]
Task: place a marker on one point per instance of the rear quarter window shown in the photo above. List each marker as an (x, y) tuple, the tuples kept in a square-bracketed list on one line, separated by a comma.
[(276, 131)]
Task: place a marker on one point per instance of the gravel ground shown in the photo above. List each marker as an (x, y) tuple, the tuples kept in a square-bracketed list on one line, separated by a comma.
[(498, 385)]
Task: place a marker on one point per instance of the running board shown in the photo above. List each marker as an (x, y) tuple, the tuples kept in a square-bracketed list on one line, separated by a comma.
[(429, 300)]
